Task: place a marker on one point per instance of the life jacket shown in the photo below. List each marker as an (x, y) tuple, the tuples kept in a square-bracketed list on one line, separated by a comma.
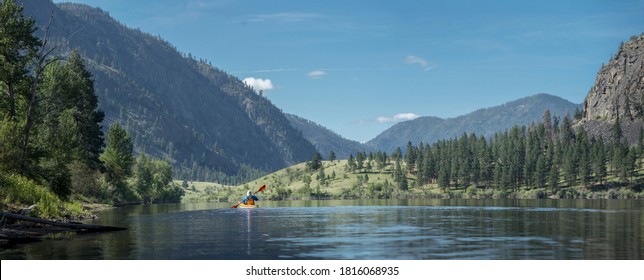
[(250, 201)]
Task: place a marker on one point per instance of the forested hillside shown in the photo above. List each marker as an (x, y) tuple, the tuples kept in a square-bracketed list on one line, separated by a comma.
[(53, 152), (325, 140), (484, 122), (207, 123)]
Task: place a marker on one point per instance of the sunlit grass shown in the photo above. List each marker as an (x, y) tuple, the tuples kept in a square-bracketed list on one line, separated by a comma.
[(19, 192), (291, 183)]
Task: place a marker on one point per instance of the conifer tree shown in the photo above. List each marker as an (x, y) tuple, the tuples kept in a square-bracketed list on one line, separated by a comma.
[(332, 156), (360, 158), (316, 162), (351, 164), (553, 179)]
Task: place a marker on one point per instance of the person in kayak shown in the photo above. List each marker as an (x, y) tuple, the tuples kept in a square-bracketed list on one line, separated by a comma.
[(249, 199)]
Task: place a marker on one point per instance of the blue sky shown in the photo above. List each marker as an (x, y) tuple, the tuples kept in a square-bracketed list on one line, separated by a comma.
[(357, 67)]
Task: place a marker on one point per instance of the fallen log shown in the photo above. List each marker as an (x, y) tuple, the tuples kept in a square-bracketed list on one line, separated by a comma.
[(17, 236), (73, 226)]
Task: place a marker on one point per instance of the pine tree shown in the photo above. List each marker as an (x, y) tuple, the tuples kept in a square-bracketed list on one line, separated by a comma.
[(332, 156), (397, 155), (89, 117), (322, 177), (410, 158), (360, 158), (553, 179), (351, 164), (540, 173), (616, 130), (578, 114), (583, 153), (315, 163), (598, 155), (547, 121), (570, 166), (631, 162)]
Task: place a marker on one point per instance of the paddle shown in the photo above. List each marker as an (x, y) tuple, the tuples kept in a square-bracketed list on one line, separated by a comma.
[(260, 189)]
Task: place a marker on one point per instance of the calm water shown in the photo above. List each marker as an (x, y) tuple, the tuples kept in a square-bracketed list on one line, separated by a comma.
[(365, 229)]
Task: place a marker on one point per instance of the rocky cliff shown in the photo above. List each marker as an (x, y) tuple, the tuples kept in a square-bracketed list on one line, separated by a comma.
[(619, 86), (618, 91)]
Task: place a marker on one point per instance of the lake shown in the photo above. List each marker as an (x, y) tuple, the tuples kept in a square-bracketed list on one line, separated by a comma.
[(361, 229)]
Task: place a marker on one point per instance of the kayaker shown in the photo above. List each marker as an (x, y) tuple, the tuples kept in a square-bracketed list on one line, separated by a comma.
[(249, 199)]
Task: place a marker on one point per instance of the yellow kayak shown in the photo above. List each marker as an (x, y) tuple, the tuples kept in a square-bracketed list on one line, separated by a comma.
[(248, 206)]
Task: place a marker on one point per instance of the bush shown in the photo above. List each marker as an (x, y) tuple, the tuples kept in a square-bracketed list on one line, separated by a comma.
[(170, 194), (471, 192), (21, 191)]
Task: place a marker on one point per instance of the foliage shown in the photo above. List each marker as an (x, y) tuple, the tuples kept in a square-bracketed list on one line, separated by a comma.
[(205, 122), (152, 180), (118, 161), (315, 163), (51, 137), (550, 159), (17, 189), (18, 48), (483, 122)]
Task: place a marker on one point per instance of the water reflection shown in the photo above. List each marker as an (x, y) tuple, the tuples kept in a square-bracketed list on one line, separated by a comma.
[(361, 229)]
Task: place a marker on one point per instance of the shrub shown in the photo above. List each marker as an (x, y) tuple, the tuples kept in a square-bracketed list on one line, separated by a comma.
[(19, 190)]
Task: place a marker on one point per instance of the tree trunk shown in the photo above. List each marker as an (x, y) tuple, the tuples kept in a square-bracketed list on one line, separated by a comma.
[(73, 226)]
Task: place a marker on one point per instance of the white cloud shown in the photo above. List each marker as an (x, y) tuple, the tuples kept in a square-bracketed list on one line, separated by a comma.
[(398, 118), (259, 84), (316, 74), (426, 65)]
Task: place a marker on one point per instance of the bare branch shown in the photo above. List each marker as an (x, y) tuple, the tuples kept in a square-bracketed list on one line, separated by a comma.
[(33, 103)]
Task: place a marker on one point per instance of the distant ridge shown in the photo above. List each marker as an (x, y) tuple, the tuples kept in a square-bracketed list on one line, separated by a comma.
[(326, 140), (482, 122)]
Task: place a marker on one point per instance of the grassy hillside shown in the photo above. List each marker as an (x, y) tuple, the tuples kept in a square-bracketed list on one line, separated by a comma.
[(293, 183), (296, 182)]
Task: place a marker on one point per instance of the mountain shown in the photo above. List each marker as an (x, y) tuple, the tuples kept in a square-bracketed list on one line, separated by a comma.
[(618, 92), (208, 123), (326, 140), (483, 122)]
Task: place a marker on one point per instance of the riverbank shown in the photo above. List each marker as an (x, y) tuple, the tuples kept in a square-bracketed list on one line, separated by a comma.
[(17, 227)]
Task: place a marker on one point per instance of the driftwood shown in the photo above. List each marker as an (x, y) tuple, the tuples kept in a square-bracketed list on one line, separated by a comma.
[(20, 234), (74, 226)]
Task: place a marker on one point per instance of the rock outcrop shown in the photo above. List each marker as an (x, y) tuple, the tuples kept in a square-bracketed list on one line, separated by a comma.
[(619, 86), (618, 91)]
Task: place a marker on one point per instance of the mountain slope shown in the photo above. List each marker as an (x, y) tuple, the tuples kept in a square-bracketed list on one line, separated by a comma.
[(483, 122), (618, 92), (326, 140), (207, 122)]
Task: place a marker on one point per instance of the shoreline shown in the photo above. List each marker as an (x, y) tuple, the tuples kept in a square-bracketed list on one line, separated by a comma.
[(19, 229), (13, 233)]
